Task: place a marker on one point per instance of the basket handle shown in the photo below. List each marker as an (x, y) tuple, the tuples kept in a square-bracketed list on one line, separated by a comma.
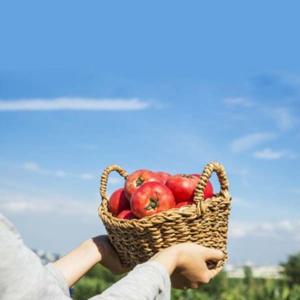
[(206, 174), (104, 179)]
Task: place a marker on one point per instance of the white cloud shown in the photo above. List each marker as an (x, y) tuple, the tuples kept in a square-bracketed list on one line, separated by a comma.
[(286, 225), (73, 104), (31, 166), (270, 154), (19, 206), (238, 201), (20, 203), (249, 141), (34, 167), (60, 173), (276, 229), (238, 102), (115, 180), (238, 232), (47, 206), (283, 117), (87, 176)]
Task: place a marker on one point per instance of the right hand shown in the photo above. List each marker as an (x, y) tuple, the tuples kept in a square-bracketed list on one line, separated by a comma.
[(187, 263)]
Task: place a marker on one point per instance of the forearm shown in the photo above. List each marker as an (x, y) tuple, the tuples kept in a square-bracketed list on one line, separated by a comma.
[(147, 281), (150, 280), (168, 258), (79, 261)]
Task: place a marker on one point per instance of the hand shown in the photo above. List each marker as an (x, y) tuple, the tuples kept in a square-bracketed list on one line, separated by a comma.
[(80, 260), (187, 263), (109, 256)]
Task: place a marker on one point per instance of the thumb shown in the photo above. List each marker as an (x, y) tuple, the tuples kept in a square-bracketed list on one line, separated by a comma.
[(215, 272), (213, 254)]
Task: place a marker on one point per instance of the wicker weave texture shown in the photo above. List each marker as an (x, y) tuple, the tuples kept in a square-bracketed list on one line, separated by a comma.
[(205, 222)]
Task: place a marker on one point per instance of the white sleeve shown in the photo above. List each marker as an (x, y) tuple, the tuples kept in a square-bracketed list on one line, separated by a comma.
[(22, 275), (148, 281)]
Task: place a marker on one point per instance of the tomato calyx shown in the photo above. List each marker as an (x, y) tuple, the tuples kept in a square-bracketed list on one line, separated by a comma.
[(139, 181), (153, 203), (186, 175)]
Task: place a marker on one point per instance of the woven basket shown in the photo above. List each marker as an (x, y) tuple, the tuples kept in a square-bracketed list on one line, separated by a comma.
[(205, 222)]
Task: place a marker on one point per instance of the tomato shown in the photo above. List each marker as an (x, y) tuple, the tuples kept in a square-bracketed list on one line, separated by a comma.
[(126, 214), (184, 203), (151, 198), (182, 186), (118, 202), (137, 178), (164, 176), (209, 190)]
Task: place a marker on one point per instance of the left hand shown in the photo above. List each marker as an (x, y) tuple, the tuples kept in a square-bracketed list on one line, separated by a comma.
[(109, 256), (79, 261)]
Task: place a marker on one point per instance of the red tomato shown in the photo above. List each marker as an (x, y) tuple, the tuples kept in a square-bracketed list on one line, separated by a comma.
[(151, 198), (137, 178), (164, 176), (118, 202), (126, 214), (184, 203), (182, 187), (209, 190)]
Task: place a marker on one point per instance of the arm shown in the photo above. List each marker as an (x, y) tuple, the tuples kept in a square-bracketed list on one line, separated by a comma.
[(22, 275), (186, 263), (79, 261)]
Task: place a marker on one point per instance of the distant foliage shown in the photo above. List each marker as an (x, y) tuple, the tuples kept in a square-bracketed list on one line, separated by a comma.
[(95, 282), (220, 288), (292, 269)]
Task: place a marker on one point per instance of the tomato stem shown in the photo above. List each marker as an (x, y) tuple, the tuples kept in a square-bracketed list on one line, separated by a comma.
[(186, 175), (153, 203), (139, 181)]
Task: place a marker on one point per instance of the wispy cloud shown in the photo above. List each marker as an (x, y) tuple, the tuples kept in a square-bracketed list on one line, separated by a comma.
[(60, 173), (19, 203), (31, 166), (116, 180), (283, 117), (268, 229), (250, 141), (34, 167), (275, 97), (270, 154), (238, 201), (87, 176), (238, 102), (87, 104)]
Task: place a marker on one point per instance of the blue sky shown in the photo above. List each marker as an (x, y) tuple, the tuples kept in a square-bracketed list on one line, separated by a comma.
[(160, 85)]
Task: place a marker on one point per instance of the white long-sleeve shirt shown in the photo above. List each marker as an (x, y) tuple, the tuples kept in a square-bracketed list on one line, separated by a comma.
[(22, 275)]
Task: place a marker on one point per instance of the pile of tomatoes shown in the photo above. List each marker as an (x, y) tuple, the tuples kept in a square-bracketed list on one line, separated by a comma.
[(146, 193)]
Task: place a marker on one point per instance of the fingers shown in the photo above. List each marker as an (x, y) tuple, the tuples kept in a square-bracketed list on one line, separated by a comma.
[(213, 254), (214, 272)]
